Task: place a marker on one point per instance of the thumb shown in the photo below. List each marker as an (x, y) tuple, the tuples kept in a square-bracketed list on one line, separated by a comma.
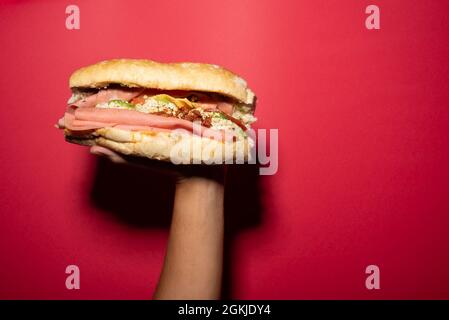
[(108, 153)]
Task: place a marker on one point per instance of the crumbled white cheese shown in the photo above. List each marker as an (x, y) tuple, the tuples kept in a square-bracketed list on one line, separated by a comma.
[(152, 105), (111, 105), (243, 113), (220, 123)]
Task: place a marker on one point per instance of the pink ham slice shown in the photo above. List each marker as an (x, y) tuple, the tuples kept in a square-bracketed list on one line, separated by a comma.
[(70, 122), (140, 128), (82, 119), (121, 94), (107, 95), (136, 118), (226, 108)]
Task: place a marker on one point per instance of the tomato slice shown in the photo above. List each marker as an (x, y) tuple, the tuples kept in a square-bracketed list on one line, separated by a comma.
[(236, 121), (137, 100)]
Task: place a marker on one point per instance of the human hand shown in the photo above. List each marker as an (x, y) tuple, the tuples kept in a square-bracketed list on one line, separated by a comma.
[(179, 173)]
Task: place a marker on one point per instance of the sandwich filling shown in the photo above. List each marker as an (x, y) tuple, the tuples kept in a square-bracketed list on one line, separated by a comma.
[(155, 110)]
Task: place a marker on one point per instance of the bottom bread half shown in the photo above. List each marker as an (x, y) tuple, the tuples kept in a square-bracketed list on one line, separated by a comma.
[(168, 146)]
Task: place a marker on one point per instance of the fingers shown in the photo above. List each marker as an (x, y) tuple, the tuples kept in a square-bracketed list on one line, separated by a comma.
[(105, 152), (177, 172)]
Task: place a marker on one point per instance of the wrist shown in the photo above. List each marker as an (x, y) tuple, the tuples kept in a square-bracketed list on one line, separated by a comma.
[(200, 196), (202, 174)]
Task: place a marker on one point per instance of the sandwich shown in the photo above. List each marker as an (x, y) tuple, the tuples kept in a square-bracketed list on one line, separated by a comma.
[(178, 112)]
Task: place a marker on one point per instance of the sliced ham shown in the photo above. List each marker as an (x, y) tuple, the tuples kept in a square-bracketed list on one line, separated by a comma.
[(226, 108), (61, 123), (107, 95), (131, 117), (68, 119), (121, 94), (83, 119), (92, 124), (70, 122), (140, 128)]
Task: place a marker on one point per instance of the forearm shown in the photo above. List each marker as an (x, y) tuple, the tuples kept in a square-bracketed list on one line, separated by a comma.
[(194, 258)]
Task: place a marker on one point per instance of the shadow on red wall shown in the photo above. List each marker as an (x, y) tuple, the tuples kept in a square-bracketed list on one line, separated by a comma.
[(142, 198)]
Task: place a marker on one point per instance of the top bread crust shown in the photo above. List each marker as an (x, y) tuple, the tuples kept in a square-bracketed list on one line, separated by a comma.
[(164, 76)]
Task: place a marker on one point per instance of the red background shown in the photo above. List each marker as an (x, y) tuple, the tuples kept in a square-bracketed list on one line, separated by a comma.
[(363, 150)]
